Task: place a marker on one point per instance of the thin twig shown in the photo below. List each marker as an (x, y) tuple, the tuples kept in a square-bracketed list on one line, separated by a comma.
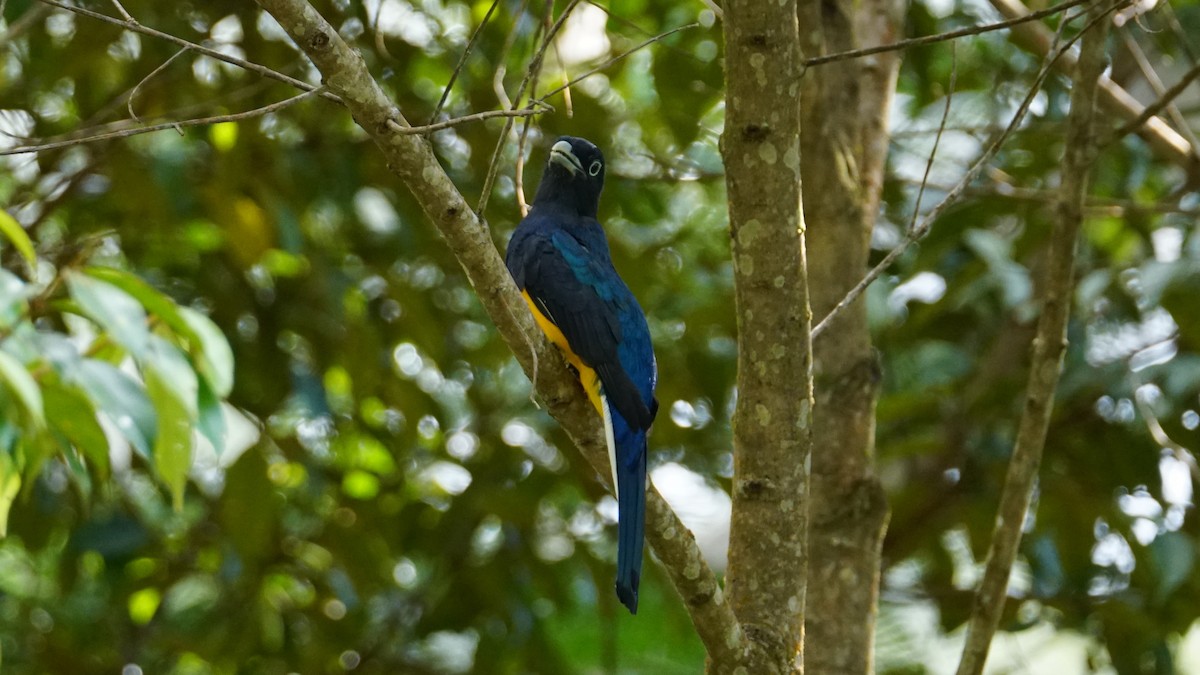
[(938, 138), (212, 53), (134, 92), (1166, 143), (23, 23), (124, 14), (618, 57), (1160, 90), (380, 44), (1048, 349), (502, 59), (519, 169), (535, 63), (535, 108), (915, 234), (942, 37), (1096, 206), (1182, 37), (462, 61), (1154, 108), (124, 133)]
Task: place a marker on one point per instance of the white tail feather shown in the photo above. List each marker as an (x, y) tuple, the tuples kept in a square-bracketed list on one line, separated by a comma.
[(612, 444)]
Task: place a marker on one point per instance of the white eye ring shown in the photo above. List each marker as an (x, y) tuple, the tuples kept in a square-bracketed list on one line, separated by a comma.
[(594, 168)]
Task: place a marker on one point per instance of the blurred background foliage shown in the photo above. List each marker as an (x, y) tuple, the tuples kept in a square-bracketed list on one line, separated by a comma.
[(381, 495)]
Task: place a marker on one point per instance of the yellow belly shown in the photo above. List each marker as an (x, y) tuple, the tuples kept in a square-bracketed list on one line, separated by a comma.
[(587, 376)]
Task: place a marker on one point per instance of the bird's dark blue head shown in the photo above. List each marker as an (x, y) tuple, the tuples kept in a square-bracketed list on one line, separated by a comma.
[(573, 178)]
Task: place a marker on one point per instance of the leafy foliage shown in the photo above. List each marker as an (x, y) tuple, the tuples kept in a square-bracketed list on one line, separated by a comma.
[(403, 506)]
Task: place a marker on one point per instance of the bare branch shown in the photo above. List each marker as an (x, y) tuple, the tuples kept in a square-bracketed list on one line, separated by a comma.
[(23, 23), (1048, 349), (537, 108), (618, 57), (942, 37), (125, 133), (535, 72), (916, 233), (124, 14), (462, 60), (134, 92), (1094, 206), (535, 65), (938, 138), (1153, 109), (502, 58), (1160, 89), (1162, 139), (200, 49), (412, 160)]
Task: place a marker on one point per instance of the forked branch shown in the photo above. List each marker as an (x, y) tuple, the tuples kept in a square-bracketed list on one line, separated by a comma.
[(1049, 346)]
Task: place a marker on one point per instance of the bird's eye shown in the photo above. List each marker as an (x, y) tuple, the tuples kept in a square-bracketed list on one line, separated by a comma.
[(594, 168)]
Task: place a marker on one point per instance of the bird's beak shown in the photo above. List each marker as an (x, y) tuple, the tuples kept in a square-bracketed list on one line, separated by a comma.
[(562, 154)]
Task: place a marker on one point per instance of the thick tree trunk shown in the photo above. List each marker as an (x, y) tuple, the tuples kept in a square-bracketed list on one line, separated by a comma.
[(844, 145), (772, 421)]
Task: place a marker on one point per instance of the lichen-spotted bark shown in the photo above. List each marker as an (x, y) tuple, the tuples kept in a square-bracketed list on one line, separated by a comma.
[(772, 419), (844, 141)]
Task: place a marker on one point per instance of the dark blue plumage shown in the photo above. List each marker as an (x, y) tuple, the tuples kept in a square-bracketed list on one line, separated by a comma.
[(559, 257)]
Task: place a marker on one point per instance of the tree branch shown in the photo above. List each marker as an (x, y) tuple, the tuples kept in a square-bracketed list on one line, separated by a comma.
[(199, 49), (915, 234), (1163, 140), (124, 133), (942, 37), (412, 160), (1153, 109), (772, 420), (1049, 346)]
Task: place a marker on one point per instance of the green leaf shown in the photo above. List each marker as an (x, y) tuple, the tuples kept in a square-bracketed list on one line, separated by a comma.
[(173, 440), (10, 485), (216, 357), (153, 300), (12, 299), (122, 399), (175, 371), (212, 420), (23, 386), (73, 415), (1174, 556), (142, 605), (114, 310), (13, 231)]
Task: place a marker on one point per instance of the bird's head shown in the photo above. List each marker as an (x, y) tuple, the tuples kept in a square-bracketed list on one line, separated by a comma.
[(574, 176)]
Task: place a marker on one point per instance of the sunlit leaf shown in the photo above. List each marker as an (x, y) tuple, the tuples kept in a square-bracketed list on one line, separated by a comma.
[(173, 440), (18, 380), (174, 371), (216, 357), (154, 301), (211, 422), (123, 401), (73, 414), (10, 485), (223, 136), (143, 604), (116, 311), (360, 484), (12, 230)]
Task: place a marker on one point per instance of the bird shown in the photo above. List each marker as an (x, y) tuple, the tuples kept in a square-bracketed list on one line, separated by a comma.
[(559, 257)]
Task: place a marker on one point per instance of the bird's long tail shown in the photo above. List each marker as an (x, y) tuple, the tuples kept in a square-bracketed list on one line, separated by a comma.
[(627, 455)]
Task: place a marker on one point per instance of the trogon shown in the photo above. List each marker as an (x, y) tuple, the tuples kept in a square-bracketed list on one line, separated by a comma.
[(559, 257)]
